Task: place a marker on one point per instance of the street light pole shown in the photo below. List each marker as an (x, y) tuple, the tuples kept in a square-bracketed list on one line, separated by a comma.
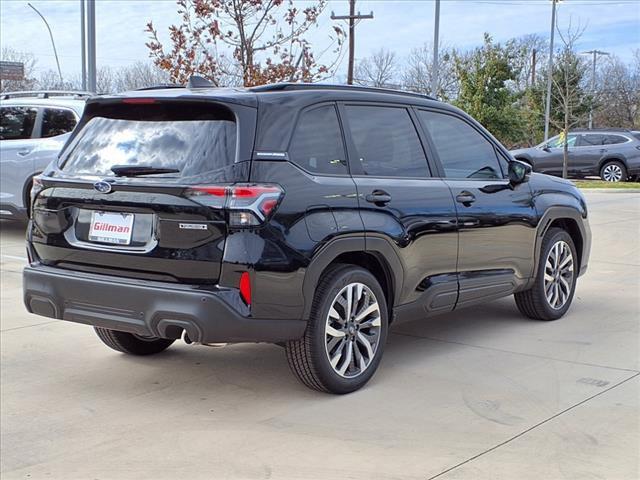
[(91, 45), (83, 46), (55, 52), (595, 54), (436, 35), (547, 108)]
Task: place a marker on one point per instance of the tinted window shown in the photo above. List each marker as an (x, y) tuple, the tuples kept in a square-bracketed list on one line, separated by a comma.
[(317, 142), (613, 139), (386, 141), (558, 142), (17, 122), (196, 139), (463, 151), (57, 121), (592, 139)]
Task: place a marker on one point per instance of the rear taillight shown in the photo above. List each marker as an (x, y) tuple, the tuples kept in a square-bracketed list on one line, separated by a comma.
[(36, 188), (249, 205)]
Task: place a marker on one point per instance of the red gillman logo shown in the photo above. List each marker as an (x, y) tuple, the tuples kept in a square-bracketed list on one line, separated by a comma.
[(108, 227)]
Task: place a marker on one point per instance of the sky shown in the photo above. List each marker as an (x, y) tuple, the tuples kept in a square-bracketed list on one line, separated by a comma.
[(398, 25)]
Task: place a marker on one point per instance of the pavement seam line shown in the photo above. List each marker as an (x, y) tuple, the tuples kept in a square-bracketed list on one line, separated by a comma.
[(509, 440), (516, 353), (28, 326)]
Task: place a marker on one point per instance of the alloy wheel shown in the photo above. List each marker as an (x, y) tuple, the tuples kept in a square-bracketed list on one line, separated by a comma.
[(612, 173), (558, 275), (352, 330)]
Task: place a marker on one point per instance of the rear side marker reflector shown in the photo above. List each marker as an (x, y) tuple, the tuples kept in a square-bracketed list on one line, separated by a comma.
[(249, 205), (245, 288)]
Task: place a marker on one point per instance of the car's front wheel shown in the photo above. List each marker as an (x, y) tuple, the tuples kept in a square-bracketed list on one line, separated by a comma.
[(346, 333), (552, 292), (131, 343), (613, 171)]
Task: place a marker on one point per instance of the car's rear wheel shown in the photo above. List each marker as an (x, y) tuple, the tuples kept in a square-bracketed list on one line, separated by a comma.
[(552, 293), (346, 333), (613, 171), (131, 343)]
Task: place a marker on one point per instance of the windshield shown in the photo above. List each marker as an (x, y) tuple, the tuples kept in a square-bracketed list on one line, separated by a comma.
[(193, 147)]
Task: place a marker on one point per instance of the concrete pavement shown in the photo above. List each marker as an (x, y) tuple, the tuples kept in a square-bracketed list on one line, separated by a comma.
[(481, 393)]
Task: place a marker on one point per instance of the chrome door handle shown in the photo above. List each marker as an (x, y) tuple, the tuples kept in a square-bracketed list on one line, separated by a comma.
[(466, 198), (378, 197)]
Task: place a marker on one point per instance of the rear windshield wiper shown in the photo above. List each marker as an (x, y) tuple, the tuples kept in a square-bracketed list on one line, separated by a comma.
[(137, 170)]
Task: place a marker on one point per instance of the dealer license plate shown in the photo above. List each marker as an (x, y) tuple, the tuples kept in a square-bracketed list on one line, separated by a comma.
[(110, 227)]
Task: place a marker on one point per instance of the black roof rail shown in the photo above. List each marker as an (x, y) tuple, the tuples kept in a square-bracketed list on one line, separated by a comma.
[(46, 94), (274, 87)]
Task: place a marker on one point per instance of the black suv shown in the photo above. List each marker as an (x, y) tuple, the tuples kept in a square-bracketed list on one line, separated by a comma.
[(611, 154), (310, 216)]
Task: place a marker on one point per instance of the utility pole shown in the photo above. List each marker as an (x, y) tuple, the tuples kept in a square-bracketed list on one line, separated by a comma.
[(55, 52), (83, 46), (352, 17), (547, 108), (91, 45), (436, 36), (595, 54)]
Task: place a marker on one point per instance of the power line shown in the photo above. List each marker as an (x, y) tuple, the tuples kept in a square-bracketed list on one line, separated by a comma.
[(352, 17)]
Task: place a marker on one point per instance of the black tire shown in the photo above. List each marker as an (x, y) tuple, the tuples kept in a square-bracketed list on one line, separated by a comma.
[(613, 163), (132, 344), (308, 356), (533, 302)]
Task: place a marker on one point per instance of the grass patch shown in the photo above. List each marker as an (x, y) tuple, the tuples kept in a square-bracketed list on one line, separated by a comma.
[(603, 184)]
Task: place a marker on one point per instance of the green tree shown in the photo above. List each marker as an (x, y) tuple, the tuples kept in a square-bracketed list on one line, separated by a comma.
[(485, 74)]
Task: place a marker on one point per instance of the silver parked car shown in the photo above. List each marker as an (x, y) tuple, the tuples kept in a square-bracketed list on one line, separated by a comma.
[(612, 154), (34, 126)]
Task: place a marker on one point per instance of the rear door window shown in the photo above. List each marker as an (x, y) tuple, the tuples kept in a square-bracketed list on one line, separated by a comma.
[(317, 142), (16, 123), (57, 121), (592, 140), (195, 139), (386, 142)]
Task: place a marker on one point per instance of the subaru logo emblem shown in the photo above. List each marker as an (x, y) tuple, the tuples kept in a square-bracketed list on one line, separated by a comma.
[(102, 186)]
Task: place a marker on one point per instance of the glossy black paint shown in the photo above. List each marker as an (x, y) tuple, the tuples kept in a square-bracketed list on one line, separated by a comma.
[(435, 244)]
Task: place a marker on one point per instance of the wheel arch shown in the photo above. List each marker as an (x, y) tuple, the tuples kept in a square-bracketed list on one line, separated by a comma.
[(378, 257), (570, 220), (612, 158)]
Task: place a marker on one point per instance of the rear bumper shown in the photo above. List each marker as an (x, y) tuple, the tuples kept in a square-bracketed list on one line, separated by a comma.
[(149, 308)]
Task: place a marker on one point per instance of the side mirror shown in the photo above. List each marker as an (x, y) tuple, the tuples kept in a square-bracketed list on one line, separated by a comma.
[(546, 148), (518, 172)]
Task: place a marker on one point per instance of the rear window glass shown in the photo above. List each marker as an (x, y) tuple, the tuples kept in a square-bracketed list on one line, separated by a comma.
[(196, 140)]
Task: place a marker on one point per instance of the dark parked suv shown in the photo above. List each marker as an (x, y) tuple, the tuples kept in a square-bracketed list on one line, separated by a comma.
[(611, 154), (310, 216)]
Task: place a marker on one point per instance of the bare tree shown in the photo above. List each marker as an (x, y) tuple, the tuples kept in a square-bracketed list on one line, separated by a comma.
[(528, 55), (50, 80), (568, 75), (139, 75), (378, 70), (618, 93), (267, 39), (419, 69), (28, 60)]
